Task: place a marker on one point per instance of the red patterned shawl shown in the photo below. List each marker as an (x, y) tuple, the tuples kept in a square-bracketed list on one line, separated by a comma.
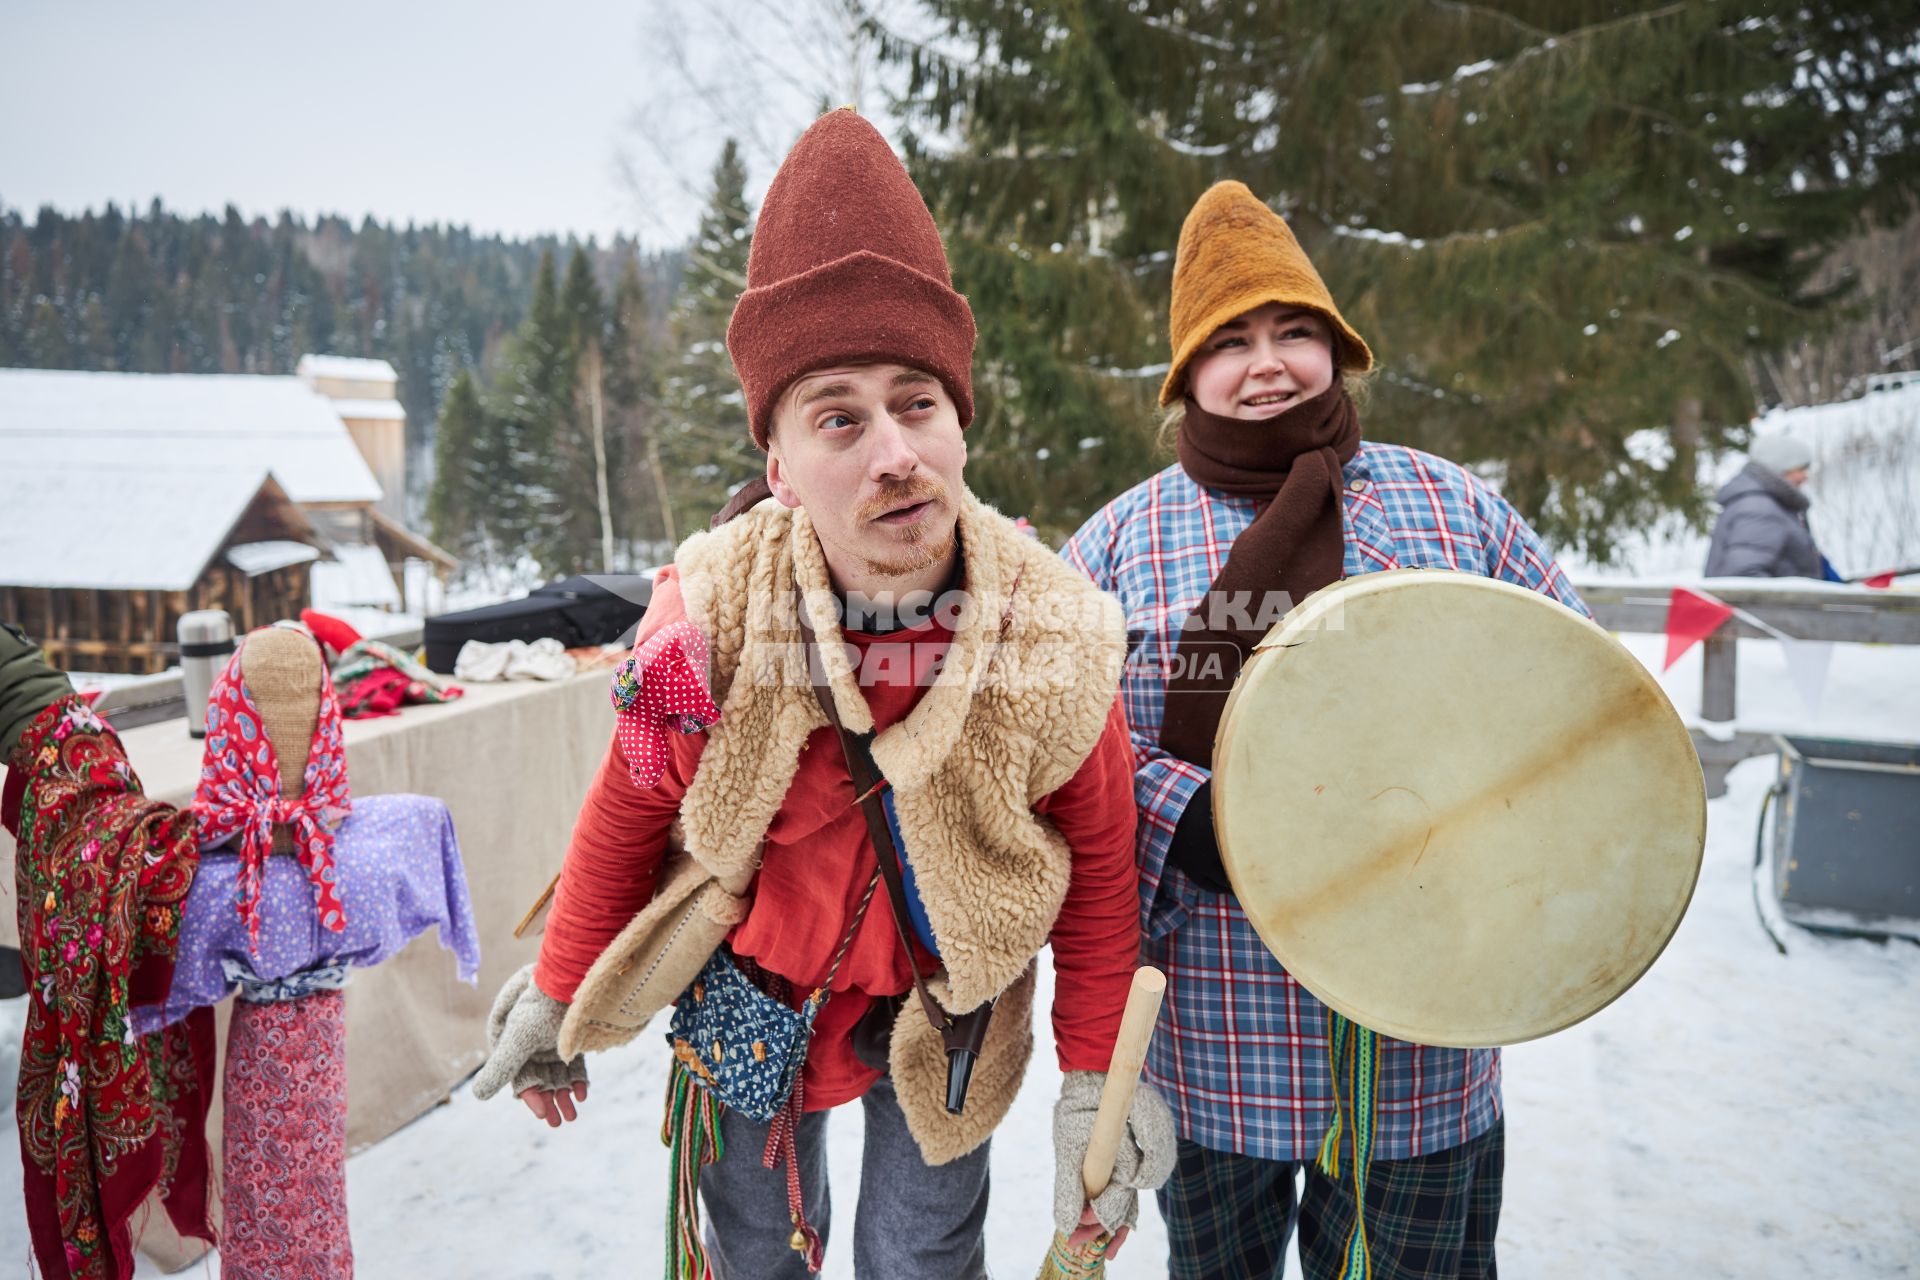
[(105, 1116)]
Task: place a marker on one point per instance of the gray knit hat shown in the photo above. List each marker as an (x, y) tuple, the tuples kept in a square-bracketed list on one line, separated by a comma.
[(1780, 453)]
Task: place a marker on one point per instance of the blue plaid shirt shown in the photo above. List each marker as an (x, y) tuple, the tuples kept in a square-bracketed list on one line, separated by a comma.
[(1241, 1051)]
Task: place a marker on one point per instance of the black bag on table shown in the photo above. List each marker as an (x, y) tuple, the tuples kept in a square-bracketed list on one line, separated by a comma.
[(585, 610)]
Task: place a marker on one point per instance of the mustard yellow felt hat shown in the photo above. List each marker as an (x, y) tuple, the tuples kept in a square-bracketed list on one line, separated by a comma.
[(1236, 254)]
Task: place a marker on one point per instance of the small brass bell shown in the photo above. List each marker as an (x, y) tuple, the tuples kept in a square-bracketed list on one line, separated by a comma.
[(797, 1241)]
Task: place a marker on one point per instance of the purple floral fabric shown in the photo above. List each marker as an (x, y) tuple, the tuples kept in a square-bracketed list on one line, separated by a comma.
[(397, 865)]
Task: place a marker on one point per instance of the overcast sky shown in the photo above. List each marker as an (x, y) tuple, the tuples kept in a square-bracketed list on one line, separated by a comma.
[(508, 117)]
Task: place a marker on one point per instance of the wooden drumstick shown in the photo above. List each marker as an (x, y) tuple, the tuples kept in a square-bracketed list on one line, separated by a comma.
[(1123, 1074), (539, 905)]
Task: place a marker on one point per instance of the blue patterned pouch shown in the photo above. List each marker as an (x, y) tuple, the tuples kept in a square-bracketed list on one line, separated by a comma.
[(737, 1037), (740, 1042)]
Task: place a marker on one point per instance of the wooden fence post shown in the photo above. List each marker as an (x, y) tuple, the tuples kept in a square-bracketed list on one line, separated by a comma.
[(1718, 663)]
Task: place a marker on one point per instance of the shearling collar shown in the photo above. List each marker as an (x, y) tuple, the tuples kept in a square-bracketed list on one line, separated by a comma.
[(908, 752), (778, 550)]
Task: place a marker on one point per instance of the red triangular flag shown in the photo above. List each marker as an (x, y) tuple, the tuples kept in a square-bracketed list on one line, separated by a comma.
[(1881, 581), (1691, 618)]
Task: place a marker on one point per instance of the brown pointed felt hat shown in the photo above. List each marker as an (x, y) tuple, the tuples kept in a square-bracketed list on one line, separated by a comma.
[(846, 268), (1236, 254)]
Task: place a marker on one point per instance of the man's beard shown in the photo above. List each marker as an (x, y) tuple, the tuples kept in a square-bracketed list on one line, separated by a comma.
[(920, 552), (917, 555)]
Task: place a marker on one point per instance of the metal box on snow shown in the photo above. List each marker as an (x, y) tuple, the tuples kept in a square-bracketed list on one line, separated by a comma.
[(1848, 834)]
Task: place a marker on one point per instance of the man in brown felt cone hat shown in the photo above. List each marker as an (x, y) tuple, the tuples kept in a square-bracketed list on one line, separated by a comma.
[(986, 671)]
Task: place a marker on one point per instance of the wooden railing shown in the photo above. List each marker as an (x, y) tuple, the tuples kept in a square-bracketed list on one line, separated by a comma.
[(1851, 615), (154, 698)]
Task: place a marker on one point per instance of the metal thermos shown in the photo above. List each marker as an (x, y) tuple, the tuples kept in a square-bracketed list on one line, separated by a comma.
[(206, 642)]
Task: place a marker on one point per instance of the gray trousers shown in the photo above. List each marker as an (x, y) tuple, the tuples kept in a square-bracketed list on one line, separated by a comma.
[(912, 1219)]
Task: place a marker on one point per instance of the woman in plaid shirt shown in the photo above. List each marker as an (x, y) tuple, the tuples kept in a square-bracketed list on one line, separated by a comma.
[(1276, 495)]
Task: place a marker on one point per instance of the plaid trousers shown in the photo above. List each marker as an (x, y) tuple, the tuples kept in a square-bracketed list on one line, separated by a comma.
[(1430, 1217)]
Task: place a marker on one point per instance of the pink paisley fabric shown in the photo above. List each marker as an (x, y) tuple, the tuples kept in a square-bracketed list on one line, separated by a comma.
[(285, 1134), (239, 794), (661, 687)]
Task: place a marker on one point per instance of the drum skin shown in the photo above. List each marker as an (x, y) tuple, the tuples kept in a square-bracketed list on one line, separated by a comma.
[(1458, 812)]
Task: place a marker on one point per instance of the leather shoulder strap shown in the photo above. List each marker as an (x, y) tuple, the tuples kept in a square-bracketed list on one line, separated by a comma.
[(867, 784)]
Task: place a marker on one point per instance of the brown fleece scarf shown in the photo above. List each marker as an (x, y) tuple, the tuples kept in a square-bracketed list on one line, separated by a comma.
[(1295, 544)]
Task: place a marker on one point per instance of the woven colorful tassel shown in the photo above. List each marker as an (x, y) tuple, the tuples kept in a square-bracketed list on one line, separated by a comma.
[(1329, 1158), (691, 1131), (1354, 1054), (783, 1144), (1076, 1262)]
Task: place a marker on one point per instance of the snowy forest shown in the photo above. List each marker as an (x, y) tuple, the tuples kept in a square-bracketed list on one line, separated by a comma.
[(1589, 242)]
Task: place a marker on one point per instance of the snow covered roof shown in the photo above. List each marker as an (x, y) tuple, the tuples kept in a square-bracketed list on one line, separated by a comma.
[(152, 422), (256, 558), (364, 410), (358, 576), (123, 527), (1887, 412), (1893, 380), (346, 368)]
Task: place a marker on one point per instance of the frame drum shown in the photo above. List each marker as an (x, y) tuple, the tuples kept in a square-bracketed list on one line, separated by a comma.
[(1457, 811)]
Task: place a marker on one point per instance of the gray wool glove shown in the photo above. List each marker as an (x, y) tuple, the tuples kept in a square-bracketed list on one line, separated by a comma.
[(522, 1034), (1143, 1162)]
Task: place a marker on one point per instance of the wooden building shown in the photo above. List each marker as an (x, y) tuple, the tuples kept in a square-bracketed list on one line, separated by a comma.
[(127, 499), (365, 393), (100, 600)]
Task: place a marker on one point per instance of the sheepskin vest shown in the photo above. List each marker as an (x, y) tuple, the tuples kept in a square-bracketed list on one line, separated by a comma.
[(1017, 706)]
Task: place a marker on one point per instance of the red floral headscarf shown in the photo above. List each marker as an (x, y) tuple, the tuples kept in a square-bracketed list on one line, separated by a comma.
[(239, 794)]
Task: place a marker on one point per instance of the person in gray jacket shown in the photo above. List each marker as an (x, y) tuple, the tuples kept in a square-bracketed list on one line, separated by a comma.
[(1762, 530)]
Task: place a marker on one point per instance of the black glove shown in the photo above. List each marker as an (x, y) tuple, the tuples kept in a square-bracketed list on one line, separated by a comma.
[(1195, 849)]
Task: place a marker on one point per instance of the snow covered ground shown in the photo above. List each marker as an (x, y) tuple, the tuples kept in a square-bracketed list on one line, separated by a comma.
[(1738, 1113)]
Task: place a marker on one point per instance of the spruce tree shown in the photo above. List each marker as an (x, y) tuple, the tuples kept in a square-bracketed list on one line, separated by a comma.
[(1563, 227), (633, 390), (531, 399), (466, 471), (705, 446), (47, 345), (131, 302)]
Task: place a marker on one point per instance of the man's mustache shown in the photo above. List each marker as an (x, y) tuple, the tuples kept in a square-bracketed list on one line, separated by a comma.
[(902, 493)]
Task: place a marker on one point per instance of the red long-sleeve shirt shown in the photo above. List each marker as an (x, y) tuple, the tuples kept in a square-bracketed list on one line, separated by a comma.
[(817, 862)]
